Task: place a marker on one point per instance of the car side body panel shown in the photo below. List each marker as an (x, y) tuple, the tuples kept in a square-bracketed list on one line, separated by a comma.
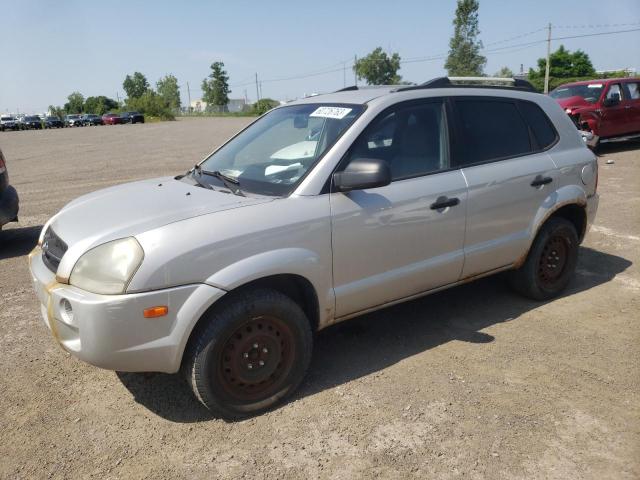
[(229, 249)]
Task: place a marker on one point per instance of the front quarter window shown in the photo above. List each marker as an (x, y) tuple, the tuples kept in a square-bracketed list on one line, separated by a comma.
[(272, 155)]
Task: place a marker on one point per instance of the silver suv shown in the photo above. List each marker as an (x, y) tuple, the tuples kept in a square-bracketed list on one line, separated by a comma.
[(318, 211)]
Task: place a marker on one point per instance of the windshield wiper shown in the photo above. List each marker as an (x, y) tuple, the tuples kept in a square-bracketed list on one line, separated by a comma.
[(231, 183), (195, 179)]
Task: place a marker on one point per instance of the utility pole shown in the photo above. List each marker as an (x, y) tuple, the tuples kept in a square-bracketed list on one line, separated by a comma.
[(118, 97), (355, 75), (546, 70), (189, 97), (260, 88), (257, 89)]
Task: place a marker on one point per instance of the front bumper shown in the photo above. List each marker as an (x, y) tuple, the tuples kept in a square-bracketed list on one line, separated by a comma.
[(110, 331), (9, 205)]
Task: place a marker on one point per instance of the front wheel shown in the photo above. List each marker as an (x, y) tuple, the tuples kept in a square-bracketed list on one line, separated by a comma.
[(249, 353), (550, 263)]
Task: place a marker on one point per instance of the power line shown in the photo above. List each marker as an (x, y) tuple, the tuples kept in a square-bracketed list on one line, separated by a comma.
[(600, 25), (597, 34)]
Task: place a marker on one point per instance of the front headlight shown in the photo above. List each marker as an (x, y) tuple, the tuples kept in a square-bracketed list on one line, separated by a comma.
[(108, 268)]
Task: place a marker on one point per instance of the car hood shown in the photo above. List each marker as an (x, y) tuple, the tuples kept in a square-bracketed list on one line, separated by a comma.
[(573, 102), (133, 208)]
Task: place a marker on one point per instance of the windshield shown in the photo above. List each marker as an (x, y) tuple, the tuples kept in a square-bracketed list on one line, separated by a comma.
[(272, 155), (590, 92), (31, 119), (6, 118)]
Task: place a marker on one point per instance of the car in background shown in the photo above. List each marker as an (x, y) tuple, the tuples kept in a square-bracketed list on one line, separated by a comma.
[(8, 122), (73, 120), (606, 110), (132, 117), (111, 119), (92, 119), (32, 122), (53, 122), (8, 196)]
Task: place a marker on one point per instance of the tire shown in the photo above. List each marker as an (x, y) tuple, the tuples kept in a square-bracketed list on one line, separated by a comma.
[(248, 354), (550, 263)]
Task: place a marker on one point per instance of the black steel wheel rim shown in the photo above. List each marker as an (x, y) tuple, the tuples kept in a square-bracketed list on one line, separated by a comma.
[(256, 359), (553, 261)]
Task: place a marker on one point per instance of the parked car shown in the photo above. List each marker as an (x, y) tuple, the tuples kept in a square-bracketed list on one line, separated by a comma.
[(7, 122), (605, 110), (226, 271), (111, 119), (8, 196), (53, 122), (74, 120), (32, 122), (132, 117), (92, 119)]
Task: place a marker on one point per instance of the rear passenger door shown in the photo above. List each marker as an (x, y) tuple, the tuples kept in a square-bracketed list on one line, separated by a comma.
[(501, 147), (632, 92)]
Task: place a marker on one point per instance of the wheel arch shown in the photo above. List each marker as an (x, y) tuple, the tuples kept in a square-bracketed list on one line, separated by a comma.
[(296, 287), (570, 203)]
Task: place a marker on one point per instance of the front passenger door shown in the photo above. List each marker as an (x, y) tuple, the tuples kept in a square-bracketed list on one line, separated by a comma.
[(398, 240)]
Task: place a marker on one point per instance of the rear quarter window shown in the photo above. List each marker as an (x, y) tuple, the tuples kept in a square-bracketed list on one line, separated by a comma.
[(543, 130)]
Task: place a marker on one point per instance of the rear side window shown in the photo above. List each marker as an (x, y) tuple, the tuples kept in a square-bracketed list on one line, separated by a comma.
[(539, 123), (634, 90), (490, 129)]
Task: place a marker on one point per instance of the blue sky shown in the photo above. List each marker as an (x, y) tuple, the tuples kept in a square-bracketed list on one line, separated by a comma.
[(50, 49)]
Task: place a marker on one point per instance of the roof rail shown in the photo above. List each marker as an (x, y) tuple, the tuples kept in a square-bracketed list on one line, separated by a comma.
[(347, 89), (473, 82)]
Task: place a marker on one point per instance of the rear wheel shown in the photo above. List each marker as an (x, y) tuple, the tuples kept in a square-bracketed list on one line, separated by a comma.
[(249, 354), (550, 263)]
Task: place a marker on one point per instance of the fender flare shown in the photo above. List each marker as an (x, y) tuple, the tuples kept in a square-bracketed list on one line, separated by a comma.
[(566, 195)]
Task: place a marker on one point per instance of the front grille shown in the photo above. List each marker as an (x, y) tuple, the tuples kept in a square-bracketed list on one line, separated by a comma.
[(53, 249)]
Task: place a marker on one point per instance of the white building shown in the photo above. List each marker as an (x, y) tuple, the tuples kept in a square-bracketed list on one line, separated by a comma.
[(234, 105)]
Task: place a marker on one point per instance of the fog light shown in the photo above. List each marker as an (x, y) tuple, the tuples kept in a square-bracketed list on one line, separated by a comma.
[(66, 311)]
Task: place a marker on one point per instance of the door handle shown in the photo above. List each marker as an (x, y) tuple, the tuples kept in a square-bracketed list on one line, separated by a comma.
[(444, 202), (540, 180), (627, 106)]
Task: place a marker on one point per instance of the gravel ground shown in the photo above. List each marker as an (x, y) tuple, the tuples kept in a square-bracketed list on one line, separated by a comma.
[(473, 382)]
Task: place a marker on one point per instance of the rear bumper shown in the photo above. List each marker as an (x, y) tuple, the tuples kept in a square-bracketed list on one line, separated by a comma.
[(592, 208), (9, 205), (110, 331)]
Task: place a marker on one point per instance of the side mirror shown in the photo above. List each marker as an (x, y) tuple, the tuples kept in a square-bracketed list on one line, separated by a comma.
[(362, 173), (613, 100)]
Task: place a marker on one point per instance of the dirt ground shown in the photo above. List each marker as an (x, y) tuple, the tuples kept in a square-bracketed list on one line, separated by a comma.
[(474, 382)]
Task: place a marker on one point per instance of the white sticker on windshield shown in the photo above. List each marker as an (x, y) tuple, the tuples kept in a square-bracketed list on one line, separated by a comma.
[(594, 85), (331, 112)]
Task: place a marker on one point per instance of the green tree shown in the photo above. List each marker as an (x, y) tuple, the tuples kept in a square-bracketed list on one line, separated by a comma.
[(378, 68), (167, 87), (100, 104), (215, 88), (135, 85), (150, 103), (464, 58), (504, 72), (75, 103), (264, 105), (564, 66), (56, 111)]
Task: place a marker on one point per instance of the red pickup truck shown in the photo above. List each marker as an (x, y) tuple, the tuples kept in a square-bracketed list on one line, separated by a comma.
[(608, 109)]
